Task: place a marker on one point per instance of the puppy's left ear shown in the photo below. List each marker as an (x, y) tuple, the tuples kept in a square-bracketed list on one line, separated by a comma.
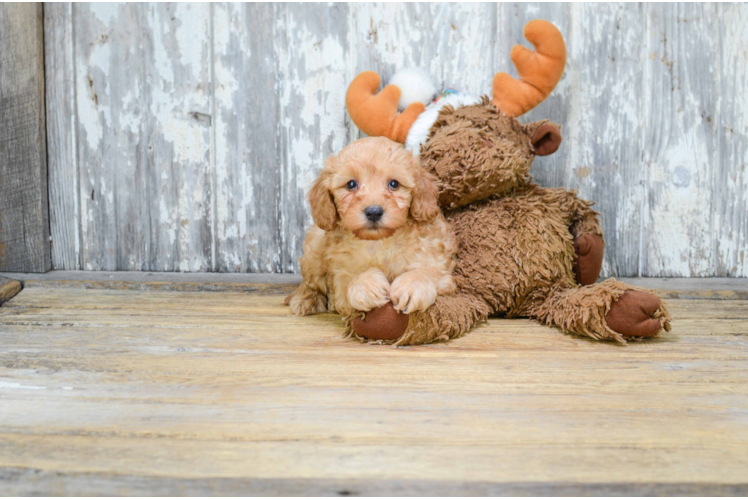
[(324, 212), (423, 207)]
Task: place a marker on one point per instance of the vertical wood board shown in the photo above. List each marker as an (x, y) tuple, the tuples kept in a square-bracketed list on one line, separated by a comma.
[(186, 136), (24, 214)]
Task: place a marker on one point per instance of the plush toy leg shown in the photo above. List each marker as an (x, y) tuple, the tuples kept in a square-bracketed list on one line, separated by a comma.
[(610, 310), (450, 317)]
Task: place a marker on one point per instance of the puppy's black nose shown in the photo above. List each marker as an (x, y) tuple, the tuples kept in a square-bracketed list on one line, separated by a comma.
[(374, 213)]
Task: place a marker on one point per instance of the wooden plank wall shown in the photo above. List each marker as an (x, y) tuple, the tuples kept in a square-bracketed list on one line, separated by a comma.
[(24, 225), (187, 134)]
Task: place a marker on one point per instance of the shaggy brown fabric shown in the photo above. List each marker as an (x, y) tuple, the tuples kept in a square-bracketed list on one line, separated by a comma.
[(588, 249), (515, 239)]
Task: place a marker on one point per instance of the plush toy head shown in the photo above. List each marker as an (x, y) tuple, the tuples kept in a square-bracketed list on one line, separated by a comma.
[(475, 147), (477, 152)]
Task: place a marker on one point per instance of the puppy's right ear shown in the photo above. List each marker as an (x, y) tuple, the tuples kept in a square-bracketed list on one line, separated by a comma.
[(323, 208)]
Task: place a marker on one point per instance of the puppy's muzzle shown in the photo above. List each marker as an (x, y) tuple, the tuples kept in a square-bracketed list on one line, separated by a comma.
[(373, 213)]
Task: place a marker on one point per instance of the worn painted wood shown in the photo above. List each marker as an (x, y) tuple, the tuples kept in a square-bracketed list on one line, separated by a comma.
[(603, 152), (680, 139), (731, 177), (651, 107), (24, 213), (313, 72), (247, 138), (207, 387), (144, 114)]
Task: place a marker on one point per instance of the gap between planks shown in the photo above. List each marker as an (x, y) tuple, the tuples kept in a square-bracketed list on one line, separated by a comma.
[(670, 288)]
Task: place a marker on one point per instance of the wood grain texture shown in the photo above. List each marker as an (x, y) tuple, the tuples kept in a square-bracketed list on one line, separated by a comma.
[(27, 482), (24, 213), (144, 94), (312, 68), (62, 157), (247, 138), (222, 388), (603, 150), (731, 177), (211, 169), (680, 144)]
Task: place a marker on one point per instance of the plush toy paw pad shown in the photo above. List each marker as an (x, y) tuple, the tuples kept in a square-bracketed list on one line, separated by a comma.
[(589, 251), (633, 314), (382, 323)]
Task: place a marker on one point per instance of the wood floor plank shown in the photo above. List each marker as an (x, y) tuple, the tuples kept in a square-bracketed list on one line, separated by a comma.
[(172, 388)]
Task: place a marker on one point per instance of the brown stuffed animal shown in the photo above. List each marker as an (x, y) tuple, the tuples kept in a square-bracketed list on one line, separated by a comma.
[(523, 250)]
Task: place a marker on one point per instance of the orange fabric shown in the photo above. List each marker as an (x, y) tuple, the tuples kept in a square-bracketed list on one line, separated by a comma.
[(376, 114), (539, 70)]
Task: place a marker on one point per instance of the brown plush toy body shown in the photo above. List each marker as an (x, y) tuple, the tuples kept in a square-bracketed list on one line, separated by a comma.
[(523, 250)]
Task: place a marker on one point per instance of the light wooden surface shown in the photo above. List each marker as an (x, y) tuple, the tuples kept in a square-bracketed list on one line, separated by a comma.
[(24, 222), (122, 391), (186, 136)]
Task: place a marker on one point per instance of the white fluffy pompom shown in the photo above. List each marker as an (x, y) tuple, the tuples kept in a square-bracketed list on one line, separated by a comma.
[(415, 85)]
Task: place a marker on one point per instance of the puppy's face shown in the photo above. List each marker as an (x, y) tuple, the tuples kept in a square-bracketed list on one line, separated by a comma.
[(371, 188)]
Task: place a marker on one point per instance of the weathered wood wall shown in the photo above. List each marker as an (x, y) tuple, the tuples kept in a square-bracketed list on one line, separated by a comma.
[(24, 224), (186, 135)]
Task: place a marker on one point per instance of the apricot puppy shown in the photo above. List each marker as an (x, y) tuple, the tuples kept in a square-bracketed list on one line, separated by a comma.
[(378, 236)]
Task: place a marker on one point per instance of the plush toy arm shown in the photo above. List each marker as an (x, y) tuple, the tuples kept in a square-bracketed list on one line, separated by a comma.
[(584, 220), (450, 317)]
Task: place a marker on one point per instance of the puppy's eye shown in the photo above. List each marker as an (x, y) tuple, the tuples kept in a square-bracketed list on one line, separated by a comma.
[(394, 184), (351, 185)]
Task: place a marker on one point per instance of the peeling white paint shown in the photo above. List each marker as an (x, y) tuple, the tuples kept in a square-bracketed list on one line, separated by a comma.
[(15, 385)]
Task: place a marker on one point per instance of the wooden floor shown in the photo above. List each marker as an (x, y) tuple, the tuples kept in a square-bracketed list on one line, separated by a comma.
[(143, 391)]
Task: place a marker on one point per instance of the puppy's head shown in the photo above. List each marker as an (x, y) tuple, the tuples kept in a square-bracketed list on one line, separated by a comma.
[(371, 188)]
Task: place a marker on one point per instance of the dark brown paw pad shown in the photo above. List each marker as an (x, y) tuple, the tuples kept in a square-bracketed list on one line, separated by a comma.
[(635, 314), (382, 323), (589, 252)]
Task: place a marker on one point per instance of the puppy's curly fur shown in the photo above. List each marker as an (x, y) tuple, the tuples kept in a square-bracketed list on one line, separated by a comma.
[(359, 261)]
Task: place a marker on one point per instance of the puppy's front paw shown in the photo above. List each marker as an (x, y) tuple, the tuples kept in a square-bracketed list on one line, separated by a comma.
[(368, 291), (410, 293)]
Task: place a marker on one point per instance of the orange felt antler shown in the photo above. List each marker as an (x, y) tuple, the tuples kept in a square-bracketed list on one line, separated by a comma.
[(539, 71), (377, 114)]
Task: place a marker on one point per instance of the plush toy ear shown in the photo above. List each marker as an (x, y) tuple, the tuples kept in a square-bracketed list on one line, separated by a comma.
[(324, 213), (423, 207), (546, 139)]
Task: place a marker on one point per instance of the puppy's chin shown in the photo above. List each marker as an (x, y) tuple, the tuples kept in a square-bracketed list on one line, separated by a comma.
[(373, 233)]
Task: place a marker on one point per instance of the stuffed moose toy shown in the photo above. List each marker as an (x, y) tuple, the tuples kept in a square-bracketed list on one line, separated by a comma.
[(523, 250)]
